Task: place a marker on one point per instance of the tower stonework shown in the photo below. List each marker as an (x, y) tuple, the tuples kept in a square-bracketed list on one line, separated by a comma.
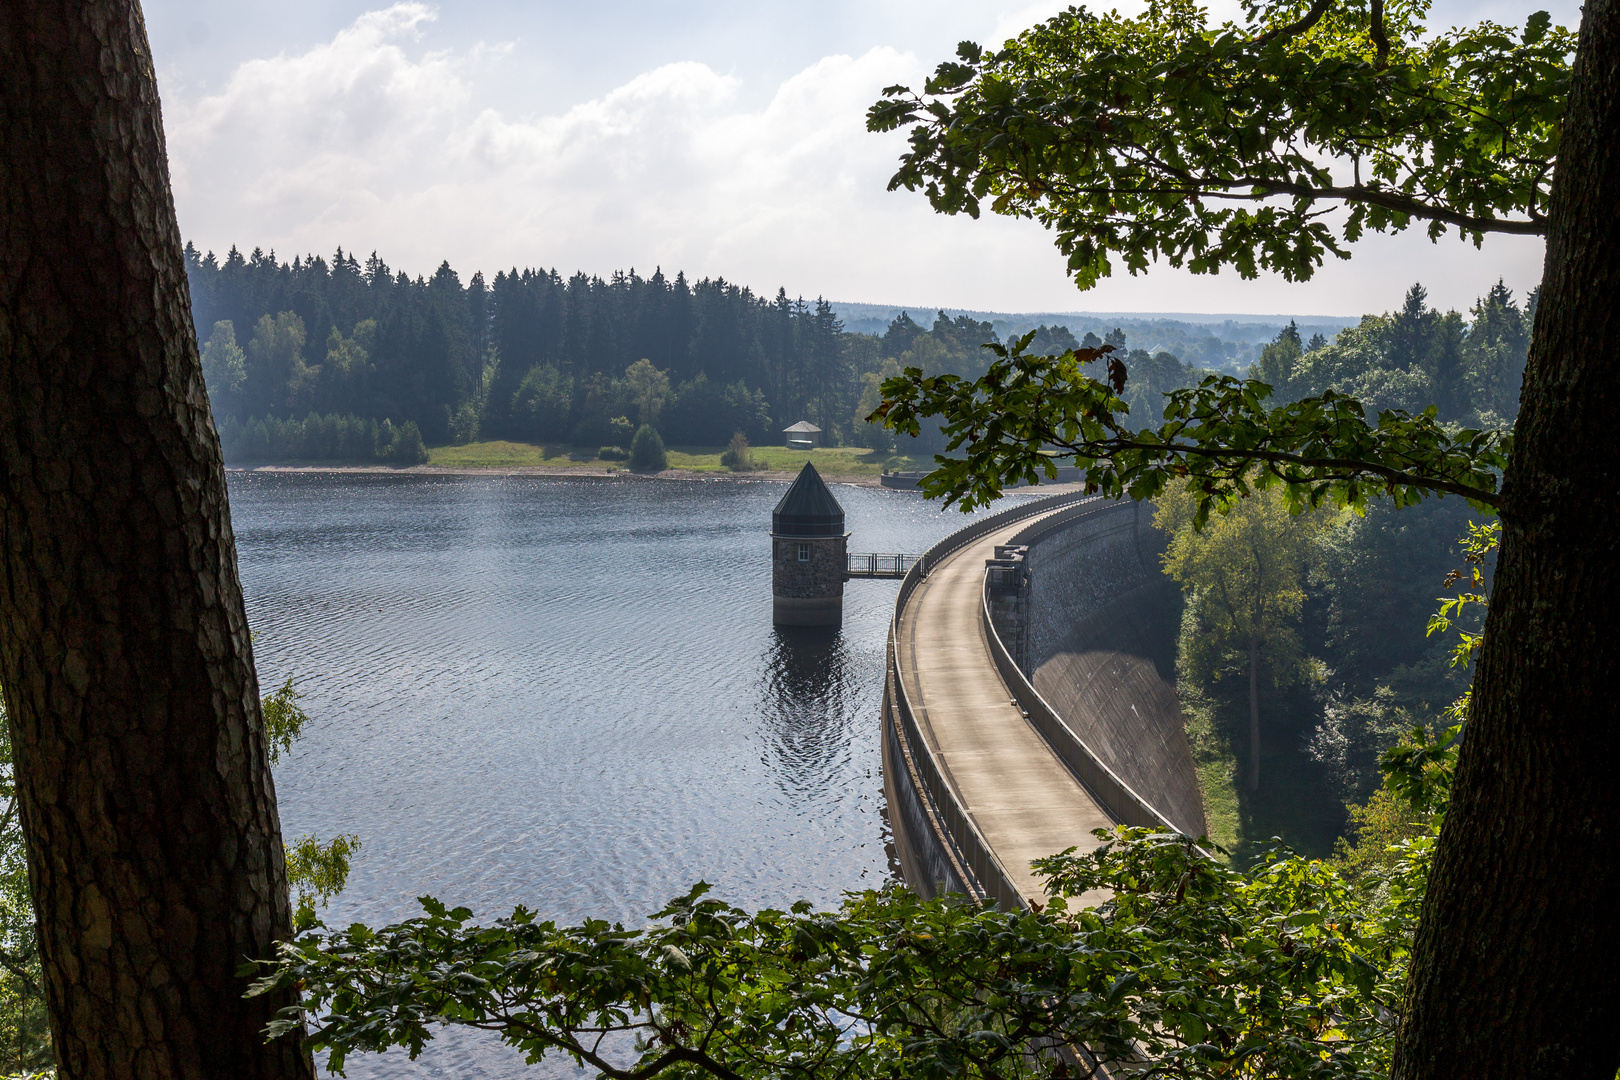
[(808, 554)]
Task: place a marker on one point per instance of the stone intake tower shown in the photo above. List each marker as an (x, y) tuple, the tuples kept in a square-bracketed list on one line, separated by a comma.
[(808, 554)]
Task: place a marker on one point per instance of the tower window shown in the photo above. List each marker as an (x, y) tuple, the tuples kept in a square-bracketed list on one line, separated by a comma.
[(804, 552)]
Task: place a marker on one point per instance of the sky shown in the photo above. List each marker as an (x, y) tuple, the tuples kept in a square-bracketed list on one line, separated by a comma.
[(719, 138)]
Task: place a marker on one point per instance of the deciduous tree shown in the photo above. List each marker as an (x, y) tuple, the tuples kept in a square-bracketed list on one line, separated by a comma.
[(1211, 147), (1245, 571)]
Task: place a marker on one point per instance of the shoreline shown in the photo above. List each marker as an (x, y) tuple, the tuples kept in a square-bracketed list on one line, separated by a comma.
[(600, 473), (597, 471)]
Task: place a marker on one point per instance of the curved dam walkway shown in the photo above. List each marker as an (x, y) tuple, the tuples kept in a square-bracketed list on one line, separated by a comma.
[(983, 772)]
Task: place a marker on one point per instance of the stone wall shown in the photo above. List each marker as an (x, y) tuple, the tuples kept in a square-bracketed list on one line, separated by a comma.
[(822, 576), (1100, 647)]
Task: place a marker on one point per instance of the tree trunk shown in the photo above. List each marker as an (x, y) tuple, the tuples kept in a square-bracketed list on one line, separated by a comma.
[(1517, 964), (145, 793), (1254, 714)]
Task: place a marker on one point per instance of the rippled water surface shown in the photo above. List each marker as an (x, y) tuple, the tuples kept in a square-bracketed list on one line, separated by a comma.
[(566, 693)]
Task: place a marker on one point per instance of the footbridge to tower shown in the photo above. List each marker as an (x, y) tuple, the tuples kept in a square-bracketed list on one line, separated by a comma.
[(1030, 697)]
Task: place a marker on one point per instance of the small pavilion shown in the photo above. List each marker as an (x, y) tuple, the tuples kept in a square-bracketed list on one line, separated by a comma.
[(802, 436)]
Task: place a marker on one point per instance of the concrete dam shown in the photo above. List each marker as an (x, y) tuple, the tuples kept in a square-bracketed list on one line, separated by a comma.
[(1030, 697)]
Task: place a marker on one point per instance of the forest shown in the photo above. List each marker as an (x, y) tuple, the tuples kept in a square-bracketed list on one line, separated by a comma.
[(535, 357), (342, 360)]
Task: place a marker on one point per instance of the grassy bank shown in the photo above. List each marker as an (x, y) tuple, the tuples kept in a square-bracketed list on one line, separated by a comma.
[(835, 462), (1295, 802)]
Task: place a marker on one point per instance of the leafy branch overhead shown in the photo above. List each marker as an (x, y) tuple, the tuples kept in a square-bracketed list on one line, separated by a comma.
[(1222, 438), (1210, 972), (1160, 137)]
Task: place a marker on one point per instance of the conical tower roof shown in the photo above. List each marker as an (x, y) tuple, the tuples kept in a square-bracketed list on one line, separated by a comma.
[(808, 508)]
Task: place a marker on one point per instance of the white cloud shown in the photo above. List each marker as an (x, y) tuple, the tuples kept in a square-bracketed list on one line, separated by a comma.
[(374, 141)]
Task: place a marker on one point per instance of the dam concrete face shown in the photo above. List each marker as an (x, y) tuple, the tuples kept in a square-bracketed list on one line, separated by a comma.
[(985, 771), (1098, 641)]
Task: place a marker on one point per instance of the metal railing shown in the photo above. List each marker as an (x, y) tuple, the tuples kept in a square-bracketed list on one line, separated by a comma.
[(1117, 798), (878, 564), (962, 837)]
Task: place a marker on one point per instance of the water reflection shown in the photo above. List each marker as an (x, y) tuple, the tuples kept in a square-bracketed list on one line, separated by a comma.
[(566, 693), (810, 699)]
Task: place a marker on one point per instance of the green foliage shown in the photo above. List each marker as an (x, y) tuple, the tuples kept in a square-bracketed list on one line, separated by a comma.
[(1220, 440), (1381, 826), (1352, 735), (1372, 596), (1416, 356), (647, 451), (1364, 620), (284, 720), (1419, 769), (348, 359), (541, 402), (613, 453), (1247, 566), (1161, 137), (464, 424), (1153, 375), (866, 433), (648, 390), (317, 872), (1287, 972), (400, 445), (1478, 547), (738, 457), (702, 413), (1276, 364), (224, 364), (25, 1037), (1244, 574), (321, 438), (277, 370)]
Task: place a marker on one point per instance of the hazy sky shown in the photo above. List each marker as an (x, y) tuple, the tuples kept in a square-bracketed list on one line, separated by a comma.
[(720, 138)]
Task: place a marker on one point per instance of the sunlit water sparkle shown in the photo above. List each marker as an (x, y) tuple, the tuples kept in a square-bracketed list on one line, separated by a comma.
[(566, 693)]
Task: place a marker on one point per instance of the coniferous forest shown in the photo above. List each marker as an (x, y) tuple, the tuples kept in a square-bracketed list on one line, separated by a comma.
[(347, 360)]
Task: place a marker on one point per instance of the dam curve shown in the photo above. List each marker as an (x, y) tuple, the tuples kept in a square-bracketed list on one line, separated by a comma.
[(1030, 697)]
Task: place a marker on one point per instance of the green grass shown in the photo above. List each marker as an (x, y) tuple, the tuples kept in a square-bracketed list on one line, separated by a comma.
[(1295, 802), (1217, 772), (498, 454), (851, 462)]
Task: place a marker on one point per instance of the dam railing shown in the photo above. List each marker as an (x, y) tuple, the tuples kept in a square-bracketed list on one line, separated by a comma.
[(964, 842), (1112, 793), (861, 564)]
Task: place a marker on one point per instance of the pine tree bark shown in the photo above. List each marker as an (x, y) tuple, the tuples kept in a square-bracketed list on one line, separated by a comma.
[(144, 788), (1517, 963)]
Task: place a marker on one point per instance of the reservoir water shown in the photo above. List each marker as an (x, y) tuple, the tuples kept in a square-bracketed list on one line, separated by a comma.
[(566, 693)]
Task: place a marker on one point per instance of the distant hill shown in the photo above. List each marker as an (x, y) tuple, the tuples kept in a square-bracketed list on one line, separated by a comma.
[(1219, 342)]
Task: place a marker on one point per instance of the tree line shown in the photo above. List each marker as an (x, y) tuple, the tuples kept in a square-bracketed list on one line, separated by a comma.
[(536, 357), (530, 355)]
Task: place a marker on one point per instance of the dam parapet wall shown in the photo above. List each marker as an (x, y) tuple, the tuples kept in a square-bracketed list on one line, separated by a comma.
[(1094, 629), (1030, 697)]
